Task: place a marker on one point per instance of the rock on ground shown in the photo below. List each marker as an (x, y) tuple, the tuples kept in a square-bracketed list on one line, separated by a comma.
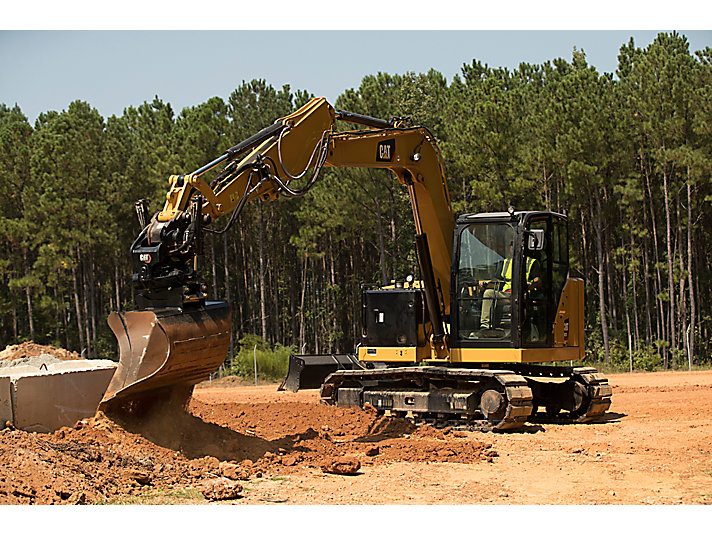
[(221, 489), (341, 466)]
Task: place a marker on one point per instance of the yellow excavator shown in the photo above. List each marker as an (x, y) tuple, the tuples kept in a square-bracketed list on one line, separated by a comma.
[(483, 334)]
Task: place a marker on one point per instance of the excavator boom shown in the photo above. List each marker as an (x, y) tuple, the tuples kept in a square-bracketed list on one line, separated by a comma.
[(175, 339)]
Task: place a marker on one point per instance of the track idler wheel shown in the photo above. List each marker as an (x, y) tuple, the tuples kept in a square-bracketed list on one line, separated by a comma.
[(583, 397), (493, 405)]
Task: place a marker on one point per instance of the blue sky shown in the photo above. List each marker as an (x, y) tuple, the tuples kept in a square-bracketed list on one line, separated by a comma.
[(46, 70)]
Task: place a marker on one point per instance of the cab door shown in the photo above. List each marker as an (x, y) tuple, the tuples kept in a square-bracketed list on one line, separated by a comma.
[(538, 309)]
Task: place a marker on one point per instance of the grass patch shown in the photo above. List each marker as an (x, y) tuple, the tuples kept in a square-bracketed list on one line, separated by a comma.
[(160, 496), (272, 361)]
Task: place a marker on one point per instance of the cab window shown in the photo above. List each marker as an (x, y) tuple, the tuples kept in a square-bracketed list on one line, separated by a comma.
[(484, 282)]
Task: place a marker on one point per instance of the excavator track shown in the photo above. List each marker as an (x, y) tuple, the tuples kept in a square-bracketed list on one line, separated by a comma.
[(583, 397), (599, 394), (502, 398)]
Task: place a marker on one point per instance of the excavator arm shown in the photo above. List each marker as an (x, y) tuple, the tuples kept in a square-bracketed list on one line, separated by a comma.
[(177, 338)]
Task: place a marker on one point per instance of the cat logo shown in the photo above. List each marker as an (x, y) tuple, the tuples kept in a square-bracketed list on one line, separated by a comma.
[(386, 150), (145, 258)]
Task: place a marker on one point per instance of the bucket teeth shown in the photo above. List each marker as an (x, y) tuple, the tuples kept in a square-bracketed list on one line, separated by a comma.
[(161, 350)]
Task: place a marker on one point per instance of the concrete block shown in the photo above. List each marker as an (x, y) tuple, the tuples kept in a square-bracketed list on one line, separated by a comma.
[(80, 365), (5, 401), (19, 370), (45, 401)]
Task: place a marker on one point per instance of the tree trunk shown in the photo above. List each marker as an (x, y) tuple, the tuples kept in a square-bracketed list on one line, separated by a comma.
[(302, 318), (263, 310), (660, 319), (693, 310), (213, 267), (117, 284), (625, 306), (85, 303), (381, 244), (92, 304), (670, 257), (275, 285), (77, 309), (607, 248), (65, 322), (315, 307), (28, 295), (333, 311), (601, 274), (682, 304), (14, 320), (227, 295), (634, 277), (56, 314), (646, 279), (241, 295)]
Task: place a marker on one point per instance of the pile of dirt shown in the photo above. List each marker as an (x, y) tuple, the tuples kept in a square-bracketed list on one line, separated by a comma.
[(29, 350), (108, 459)]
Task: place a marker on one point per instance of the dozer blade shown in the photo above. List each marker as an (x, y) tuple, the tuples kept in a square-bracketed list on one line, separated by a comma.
[(309, 371), (164, 351)]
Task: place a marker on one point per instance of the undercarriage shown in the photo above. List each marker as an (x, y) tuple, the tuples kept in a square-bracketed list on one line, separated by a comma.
[(491, 399)]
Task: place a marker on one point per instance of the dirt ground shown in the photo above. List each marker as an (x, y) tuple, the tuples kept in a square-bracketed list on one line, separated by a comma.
[(270, 447), (30, 349)]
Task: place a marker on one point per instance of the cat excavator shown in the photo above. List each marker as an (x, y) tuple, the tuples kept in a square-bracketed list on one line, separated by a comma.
[(483, 334)]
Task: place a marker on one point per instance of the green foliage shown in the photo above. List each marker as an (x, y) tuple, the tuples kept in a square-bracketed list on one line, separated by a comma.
[(647, 359), (272, 361)]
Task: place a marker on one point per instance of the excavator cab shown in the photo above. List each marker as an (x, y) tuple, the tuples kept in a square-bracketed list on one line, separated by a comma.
[(508, 276)]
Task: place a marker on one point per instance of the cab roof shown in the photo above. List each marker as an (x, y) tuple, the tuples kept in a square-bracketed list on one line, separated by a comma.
[(504, 216)]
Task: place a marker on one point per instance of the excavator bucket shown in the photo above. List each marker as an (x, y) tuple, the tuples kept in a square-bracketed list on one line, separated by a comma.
[(309, 371), (164, 352)]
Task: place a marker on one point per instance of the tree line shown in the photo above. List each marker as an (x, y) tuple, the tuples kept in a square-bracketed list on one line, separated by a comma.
[(626, 155)]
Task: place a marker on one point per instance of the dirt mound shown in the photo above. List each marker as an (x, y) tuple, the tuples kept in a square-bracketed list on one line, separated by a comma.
[(109, 459), (30, 350)]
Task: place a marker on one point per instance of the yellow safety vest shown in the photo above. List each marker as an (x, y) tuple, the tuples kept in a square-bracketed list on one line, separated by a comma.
[(507, 273)]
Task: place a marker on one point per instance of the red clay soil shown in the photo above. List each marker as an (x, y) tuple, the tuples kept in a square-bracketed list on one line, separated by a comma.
[(107, 459), (100, 460)]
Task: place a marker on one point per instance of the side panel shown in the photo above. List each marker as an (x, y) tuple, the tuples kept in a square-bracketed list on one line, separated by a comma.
[(393, 318), (393, 354), (469, 355), (568, 325), (506, 355)]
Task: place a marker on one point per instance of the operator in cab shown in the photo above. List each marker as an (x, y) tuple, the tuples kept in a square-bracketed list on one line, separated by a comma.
[(492, 296)]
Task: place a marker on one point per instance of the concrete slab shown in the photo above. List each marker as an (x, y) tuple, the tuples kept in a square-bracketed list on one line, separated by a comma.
[(80, 365), (19, 370), (44, 401), (5, 400)]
